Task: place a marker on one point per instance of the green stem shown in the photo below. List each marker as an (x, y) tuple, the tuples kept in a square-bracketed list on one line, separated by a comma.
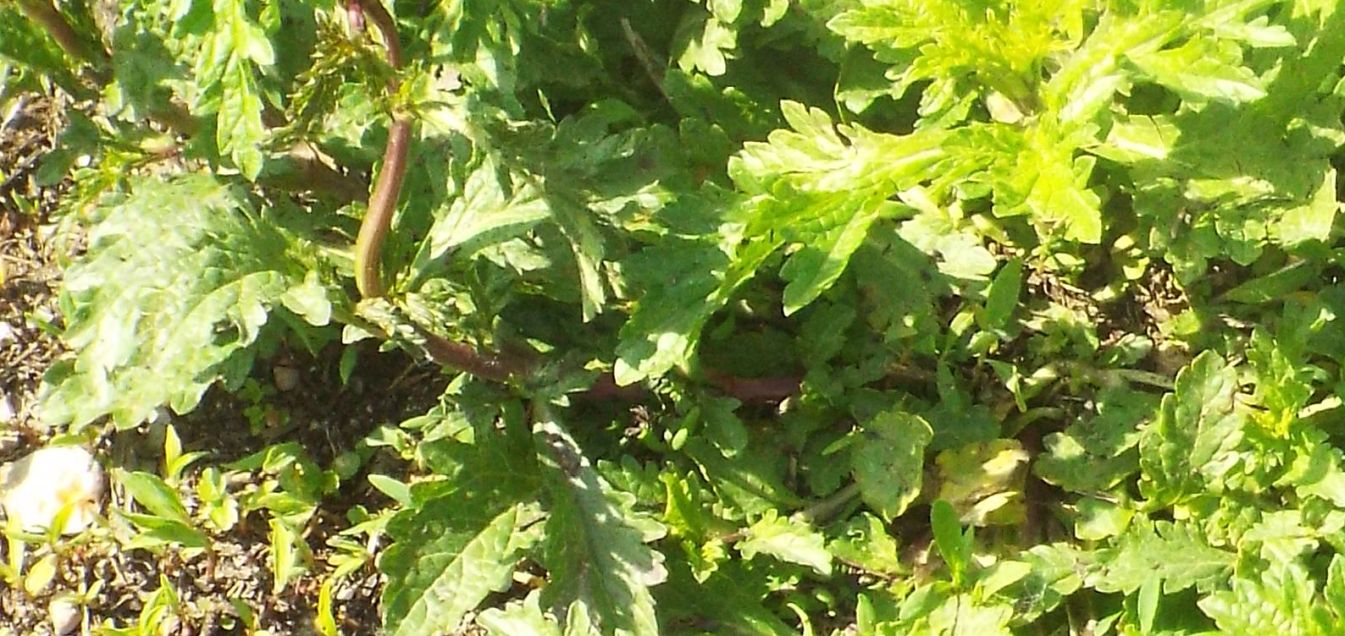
[(825, 509)]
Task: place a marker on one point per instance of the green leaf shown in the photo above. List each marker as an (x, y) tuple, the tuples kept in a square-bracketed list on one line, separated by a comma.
[(40, 575), (1099, 519), (1194, 441), (1000, 575), (864, 541), (154, 494), (290, 555), (1139, 138), (1085, 86), (1334, 592), (723, 427), (752, 480), (1275, 285), (817, 156), (589, 250), (1147, 604), (965, 614), (888, 461), (1317, 471), (519, 617), (240, 131), (1176, 553), (1283, 383), (485, 213), (705, 42), (1282, 535), (227, 73), (1096, 455), (397, 490), (1283, 595), (1056, 574), (595, 552), (943, 232), (736, 598), (822, 186), (683, 284), (997, 48), (431, 586), (685, 513), (984, 481), (1201, 69), (835, 228), (463, 534), (954, 547), (957, 419), (23, 42), (1039, 174), (1313, 219), (311, 300), (325, 620), (154, 531), (174, 287), (788, 539), (1001, 298)]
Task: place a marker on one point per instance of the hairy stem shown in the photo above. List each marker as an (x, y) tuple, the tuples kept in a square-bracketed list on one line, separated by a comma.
[(387, 187)]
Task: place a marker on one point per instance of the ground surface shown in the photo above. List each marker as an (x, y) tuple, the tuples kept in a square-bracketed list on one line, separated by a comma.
[(316, 409)]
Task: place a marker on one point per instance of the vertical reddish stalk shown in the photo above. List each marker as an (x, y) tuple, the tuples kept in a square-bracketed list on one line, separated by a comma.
[(387, 187)]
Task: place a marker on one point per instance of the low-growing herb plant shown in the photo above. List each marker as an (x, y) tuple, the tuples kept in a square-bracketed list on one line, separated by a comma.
[(161, 608), (762, 316)]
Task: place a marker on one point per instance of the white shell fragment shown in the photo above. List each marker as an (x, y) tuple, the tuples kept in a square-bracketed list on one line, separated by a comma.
[(64, 615), (33, 489)]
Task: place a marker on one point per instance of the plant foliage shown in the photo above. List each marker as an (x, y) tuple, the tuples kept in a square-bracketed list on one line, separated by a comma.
[(889, 316)]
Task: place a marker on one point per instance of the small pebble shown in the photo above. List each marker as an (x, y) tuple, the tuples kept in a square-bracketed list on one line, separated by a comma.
[(286, 377), (10, 440), (7, 412), (64, 615), (7, 332)]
